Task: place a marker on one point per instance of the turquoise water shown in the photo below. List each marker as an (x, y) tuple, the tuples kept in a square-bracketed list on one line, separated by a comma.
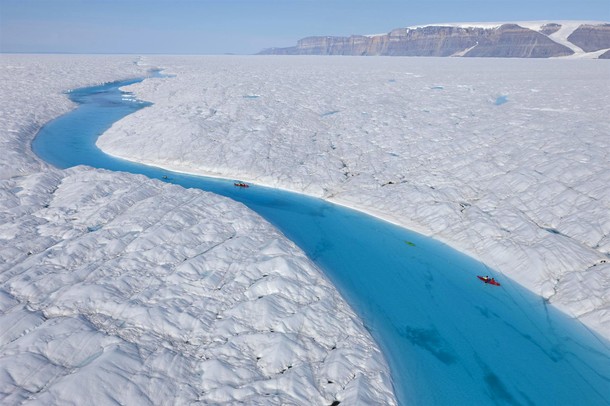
[(449, 339), (500, 100)]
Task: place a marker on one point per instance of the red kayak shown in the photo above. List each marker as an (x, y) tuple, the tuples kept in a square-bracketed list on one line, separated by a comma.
[(490, 281), (241, 184)]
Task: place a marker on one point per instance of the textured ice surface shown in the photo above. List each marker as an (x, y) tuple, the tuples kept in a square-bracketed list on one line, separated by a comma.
[(118, 289), (520, 184), (32, 94)]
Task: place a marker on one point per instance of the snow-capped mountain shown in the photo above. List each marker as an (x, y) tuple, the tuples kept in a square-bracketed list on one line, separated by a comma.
[(540, 39)]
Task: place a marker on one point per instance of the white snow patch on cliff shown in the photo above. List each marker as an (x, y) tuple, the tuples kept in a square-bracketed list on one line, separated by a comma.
[(561, 36)]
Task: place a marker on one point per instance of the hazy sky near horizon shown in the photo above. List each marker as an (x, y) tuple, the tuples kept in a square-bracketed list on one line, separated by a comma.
[(244, 26)]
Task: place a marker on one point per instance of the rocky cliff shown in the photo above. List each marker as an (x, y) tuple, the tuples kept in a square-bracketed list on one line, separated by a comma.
[(591, 37), (542, 40)]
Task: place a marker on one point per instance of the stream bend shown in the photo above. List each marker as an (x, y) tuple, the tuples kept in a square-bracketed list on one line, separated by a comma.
[(448, 338)]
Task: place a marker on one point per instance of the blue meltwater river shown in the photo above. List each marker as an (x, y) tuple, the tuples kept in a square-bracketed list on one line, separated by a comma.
[(449, 339)]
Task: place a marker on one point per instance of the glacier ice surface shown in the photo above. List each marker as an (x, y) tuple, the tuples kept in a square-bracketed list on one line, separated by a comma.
[(115, 288), (519, 184)]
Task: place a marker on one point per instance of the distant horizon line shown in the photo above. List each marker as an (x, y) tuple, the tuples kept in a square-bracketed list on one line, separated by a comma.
[(119, 53), (486, 24)]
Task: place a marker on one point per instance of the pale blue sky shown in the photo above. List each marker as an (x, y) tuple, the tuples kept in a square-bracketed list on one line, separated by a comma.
[(244, 26)]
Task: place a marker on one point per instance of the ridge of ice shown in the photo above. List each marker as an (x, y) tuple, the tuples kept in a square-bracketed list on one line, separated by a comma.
[(119, 289)]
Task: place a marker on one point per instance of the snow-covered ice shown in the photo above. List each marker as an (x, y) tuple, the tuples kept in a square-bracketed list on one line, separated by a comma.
[(506, 160), (118, 289), (32, 94), (150, 288)]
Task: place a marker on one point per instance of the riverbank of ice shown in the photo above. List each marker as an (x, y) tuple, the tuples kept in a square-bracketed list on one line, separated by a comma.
[(506, 160), (118, 289)]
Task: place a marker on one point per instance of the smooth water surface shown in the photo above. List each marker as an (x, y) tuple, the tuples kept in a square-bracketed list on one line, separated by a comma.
[(500, 100), (449, 339)]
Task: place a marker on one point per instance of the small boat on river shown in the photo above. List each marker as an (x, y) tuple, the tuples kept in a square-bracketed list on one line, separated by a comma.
[(489, 280), (241, 184)]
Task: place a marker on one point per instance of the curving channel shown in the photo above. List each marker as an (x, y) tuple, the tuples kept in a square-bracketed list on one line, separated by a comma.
[(448, 338)]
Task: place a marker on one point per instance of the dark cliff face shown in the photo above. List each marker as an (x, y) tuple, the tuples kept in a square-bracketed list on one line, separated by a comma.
[(506, 41), (550, 28), (432, 41), (513, 41), (591, 37)]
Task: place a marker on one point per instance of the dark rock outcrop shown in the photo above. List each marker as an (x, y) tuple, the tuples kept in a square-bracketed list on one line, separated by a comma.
[(591, 37), (505, 41), (431, 41), (550, 28)]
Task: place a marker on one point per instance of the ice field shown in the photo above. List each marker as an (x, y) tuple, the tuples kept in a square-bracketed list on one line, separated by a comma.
[(160, 305), (506, 160), (132, 319)]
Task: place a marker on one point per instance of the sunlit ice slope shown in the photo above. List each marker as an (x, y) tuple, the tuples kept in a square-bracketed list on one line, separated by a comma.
[(506, 160), (118, 289)]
